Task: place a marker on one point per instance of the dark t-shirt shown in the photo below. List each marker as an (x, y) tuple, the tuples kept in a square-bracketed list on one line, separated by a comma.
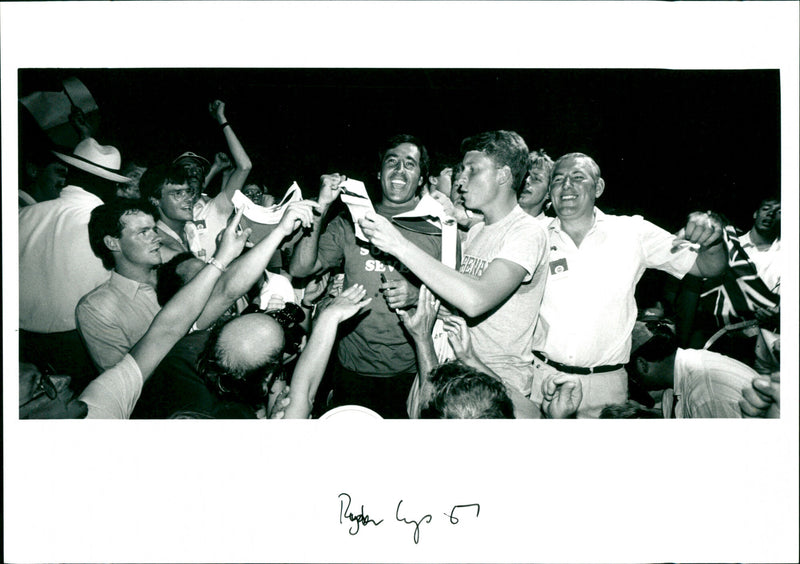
[(175, 386), (374, 344)]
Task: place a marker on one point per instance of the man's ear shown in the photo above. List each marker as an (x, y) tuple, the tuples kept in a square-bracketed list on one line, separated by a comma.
[(599, 188), (111, 242), (504, 175), (421, 181), (153, 201), (379, 175), (642, 366)]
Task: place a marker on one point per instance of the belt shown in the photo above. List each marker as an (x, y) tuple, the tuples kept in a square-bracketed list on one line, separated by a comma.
[(576, 369)]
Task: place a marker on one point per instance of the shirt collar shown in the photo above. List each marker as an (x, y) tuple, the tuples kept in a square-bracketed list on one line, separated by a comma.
[(125, 285), (599, 217)]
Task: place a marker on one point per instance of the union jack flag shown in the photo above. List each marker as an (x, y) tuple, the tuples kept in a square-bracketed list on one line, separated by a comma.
[(741, 290)]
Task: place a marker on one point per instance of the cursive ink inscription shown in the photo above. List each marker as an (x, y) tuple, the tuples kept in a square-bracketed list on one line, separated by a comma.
[(452, 516), (357, 520), (407, 522)]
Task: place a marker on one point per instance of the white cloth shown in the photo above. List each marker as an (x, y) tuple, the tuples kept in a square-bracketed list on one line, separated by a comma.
[(56, 264), (210, 217), (503, 340), (708, 384), (277, 285), (114, 393), (588, 310)]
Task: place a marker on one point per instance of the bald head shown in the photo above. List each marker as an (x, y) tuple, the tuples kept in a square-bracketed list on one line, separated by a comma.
[(249, 342)]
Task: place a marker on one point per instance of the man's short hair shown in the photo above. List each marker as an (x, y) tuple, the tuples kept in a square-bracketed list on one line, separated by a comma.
[(395, 140), (156, 177), (594, 169), (541, 160), (775, 198), (461, 392), (233, 380), (506, 148), (106, 219)]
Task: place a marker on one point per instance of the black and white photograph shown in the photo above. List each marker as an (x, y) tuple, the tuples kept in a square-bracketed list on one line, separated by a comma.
[(364, 213)]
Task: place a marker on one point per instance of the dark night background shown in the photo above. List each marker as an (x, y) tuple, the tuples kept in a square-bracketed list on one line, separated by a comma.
[(667, 141)]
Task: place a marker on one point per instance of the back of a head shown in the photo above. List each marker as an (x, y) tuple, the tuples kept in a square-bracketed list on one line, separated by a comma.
[(461, 392), (170, 280), (242, 357), (506, 148)]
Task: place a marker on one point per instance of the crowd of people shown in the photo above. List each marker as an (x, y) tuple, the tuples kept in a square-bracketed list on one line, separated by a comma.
[(145, 292)]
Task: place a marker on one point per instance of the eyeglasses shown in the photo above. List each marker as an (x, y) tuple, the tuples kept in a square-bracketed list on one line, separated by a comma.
[(181, 194)]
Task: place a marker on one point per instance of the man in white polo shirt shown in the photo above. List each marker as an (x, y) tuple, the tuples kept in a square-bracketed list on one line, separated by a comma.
[(588, 310)]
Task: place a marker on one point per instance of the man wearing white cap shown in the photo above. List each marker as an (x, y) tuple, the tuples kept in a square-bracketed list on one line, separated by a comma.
[(210, 215), (57, 265)]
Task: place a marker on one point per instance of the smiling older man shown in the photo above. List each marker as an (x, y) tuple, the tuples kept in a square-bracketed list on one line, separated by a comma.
[(588, 310)]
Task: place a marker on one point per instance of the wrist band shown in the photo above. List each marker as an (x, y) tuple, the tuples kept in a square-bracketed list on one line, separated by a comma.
[(223, 125), (213, 261)]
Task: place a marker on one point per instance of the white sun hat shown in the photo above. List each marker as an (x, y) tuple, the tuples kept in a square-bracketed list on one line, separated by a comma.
[(101, 160)]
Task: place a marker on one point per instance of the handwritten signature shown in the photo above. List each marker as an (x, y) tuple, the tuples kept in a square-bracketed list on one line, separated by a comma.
[(362, 518)]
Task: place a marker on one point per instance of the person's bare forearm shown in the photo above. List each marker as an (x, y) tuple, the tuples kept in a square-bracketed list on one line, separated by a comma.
[(304, 255), (239, 278), (311, 367), (174, 320)]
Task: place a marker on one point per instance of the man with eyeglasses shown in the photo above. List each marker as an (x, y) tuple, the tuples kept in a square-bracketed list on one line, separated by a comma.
[(596, 259), (168, 189)]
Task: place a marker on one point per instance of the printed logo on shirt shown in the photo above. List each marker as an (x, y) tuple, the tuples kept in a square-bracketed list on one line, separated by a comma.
[(473, 266), (383, 263), (558, 266)]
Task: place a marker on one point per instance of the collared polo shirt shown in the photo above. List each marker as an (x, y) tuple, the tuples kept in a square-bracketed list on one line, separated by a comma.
[(588, 309), (708, 384), (113, 317), (56, 263)]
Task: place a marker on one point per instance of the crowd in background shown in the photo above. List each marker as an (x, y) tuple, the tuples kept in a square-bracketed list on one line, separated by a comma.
[(146, 292)]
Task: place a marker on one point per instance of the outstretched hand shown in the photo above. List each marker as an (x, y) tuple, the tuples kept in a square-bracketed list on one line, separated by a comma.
[(763, 397), (348, 303), (459, 337), (399, 293), (420, 324), (233, 239), (563, 394)]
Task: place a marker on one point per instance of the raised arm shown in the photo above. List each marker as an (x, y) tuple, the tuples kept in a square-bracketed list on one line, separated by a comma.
[(312, 362), (241, 162), (420, 327), (472, 296), (705, 229), (305, 260), (246, 270), (177, 316)]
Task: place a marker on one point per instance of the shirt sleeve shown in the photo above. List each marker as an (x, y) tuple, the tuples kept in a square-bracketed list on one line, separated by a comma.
[(114, 393), (105, 339), (656, 245), (525, 245)]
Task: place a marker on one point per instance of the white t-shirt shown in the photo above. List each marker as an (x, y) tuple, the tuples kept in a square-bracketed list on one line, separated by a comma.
[(504, 339)]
